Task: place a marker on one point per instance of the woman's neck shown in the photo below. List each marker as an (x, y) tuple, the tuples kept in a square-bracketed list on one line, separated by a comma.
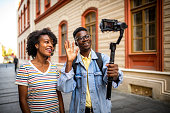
[(40, 60)]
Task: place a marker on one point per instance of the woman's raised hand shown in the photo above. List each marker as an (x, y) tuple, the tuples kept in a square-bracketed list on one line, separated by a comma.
[(71, 55)]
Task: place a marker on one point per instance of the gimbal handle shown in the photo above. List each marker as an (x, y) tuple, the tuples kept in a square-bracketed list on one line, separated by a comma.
[(112, 57)]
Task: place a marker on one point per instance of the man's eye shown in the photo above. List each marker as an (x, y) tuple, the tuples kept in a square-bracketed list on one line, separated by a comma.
[(47, 42)]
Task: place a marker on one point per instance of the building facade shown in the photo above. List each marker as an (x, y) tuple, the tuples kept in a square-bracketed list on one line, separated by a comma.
[(143, 53)]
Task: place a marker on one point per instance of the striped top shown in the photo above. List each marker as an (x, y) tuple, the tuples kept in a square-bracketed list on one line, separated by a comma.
[(42, 95)]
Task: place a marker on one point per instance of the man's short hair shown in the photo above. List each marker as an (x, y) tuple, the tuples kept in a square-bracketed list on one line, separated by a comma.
[(78, 30)]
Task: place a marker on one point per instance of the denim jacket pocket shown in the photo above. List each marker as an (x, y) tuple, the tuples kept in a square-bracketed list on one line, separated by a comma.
[(98, 78), (78, 80)]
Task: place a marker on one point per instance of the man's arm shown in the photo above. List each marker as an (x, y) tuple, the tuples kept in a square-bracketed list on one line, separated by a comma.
[(66, 83), (23, 91)]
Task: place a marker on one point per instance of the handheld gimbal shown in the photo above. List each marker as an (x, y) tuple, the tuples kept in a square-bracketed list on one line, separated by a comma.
[(112, 25)]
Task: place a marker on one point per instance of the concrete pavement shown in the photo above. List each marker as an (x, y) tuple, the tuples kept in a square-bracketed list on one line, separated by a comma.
[(121, 102), (8, 90)]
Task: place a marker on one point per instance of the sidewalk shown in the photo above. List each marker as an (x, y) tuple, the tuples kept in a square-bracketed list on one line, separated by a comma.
[(130, 103), (121, 102)]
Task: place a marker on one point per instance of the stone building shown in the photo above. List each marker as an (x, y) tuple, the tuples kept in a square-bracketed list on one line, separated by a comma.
[(143, 53)]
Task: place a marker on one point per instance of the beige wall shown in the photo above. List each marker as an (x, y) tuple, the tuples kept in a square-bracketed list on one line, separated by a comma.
[(166, 33), (72, 14)]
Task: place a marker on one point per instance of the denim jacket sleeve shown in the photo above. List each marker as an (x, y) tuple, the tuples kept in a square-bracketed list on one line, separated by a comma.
[(106, 60), (66, 82)]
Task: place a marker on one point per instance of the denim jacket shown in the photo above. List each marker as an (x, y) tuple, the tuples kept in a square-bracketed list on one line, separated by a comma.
[(97, 85)]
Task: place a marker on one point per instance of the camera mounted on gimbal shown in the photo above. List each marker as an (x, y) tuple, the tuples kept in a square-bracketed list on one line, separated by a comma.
[(112, 25)]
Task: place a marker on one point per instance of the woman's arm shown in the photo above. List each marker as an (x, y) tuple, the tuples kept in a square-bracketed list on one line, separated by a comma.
[(61, 103), (23, 91)]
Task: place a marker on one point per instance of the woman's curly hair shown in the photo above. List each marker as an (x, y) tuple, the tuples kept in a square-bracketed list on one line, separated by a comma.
[(33, 38)]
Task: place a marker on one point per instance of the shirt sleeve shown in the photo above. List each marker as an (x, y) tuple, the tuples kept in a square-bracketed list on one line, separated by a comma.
[(120, 79), (66, 82), (22, 76)]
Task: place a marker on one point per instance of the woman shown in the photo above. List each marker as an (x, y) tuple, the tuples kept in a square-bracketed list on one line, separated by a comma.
[(37, 79)]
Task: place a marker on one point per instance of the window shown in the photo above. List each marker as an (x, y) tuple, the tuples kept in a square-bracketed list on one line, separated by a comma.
[(18, 25), (47, 4), (28, 12), (21, 21), (62, 38), (38, 7), (24, 49), (89, 21), (24, 17), (143, 26), (144, 34), (21, 50)]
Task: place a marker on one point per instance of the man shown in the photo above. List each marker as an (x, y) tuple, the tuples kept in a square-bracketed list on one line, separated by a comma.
[(88, 83), (16, 63)]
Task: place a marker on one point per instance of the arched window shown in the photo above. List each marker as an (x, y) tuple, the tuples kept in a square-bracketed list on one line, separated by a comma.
[(89, 21), (62, 37)]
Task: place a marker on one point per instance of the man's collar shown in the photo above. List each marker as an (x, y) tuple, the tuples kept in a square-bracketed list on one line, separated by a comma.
[(93, 56)]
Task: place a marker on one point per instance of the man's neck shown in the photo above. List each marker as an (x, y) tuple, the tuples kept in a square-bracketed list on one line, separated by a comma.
[(85, 54)]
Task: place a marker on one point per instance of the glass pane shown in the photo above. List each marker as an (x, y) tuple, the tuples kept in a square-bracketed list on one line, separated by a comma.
[(150, 14), (63, 28), (88, 29), (48, 1), (137, 44), (137, 3), (64, 37), (138, 18), (93, 16), (150, 30), (137, 31), (87, 18), (38, 5), (147, 1), (150, 44), (62, 45)]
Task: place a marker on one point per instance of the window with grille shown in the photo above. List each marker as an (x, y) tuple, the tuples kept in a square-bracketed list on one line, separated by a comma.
[(143, 25), (144, 34)]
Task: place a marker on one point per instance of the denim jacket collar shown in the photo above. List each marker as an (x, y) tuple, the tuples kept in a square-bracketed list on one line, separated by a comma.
[(93, 56)]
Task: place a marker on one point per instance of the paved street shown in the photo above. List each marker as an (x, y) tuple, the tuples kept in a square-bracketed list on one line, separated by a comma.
[(121, 102)]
